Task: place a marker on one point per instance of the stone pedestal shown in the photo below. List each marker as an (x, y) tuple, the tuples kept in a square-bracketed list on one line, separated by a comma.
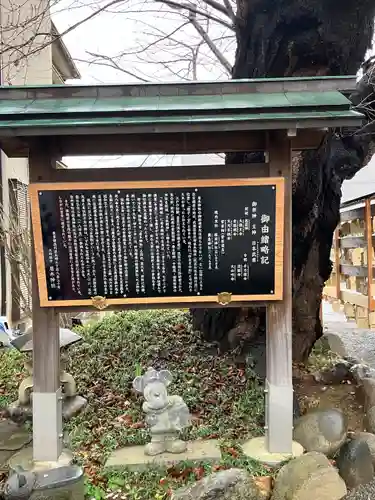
[(135, 458)]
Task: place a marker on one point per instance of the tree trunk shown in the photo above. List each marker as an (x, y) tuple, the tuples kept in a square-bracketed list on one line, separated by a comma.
[(301, 38)]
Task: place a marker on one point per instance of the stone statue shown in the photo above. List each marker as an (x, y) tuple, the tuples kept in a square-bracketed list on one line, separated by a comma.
[(25, 389), (72, 403), (165, 415)]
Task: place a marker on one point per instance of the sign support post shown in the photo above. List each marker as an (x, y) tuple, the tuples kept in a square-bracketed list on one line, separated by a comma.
[(279, 386), (47, 400)]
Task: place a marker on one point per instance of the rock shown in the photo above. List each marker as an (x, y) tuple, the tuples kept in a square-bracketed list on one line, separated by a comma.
[(296, 407), (368, 438), (308, 477), (355, 463), (360, 371), (363, 492), (367, 389), (336, 343), (231, 484), (321, 430), (72, 406), (336, 375), (349, 342), (369, 419)]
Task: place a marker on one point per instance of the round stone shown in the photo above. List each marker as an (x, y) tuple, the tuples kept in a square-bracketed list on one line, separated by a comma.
[(324, 431), (355, 463), (368, 438)]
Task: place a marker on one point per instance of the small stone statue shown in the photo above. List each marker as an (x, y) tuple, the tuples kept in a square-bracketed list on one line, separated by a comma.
[(72, 403), (165, 415)]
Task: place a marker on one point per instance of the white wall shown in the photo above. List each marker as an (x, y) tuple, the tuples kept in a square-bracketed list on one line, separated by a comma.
[(26, 60)]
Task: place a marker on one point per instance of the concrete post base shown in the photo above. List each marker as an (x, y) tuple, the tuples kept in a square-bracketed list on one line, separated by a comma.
[(24, 459), (257, 449)]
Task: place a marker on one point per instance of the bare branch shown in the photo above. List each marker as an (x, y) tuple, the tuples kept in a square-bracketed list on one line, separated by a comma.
[(205, 36), (68, 30), (110, 63), (193, 8), (230, 10), (212, 3)]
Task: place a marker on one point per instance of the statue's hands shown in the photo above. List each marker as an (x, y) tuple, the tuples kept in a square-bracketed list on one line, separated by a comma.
[(151, 420)]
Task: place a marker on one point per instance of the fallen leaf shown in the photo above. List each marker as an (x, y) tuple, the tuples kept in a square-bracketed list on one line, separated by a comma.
[(219, 467), (264, 483), (212, 436), (138, 425), (178, 473), (126, 419), (199, 472)]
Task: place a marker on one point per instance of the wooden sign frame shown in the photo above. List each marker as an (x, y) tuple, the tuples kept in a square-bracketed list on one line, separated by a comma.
[(102, 302)]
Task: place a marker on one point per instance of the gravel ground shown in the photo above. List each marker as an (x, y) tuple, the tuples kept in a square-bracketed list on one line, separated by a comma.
[(346, 339)]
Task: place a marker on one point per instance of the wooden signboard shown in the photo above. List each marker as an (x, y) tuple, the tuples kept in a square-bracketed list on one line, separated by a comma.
[(188, 241)]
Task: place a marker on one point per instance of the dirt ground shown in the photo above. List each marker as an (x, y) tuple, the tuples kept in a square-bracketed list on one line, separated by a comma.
[(344, 396)]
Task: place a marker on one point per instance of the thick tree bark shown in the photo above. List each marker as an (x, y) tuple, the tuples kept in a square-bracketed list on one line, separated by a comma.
[(302, 38)]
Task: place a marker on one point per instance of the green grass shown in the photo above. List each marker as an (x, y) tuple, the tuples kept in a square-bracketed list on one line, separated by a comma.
[(226, 401)]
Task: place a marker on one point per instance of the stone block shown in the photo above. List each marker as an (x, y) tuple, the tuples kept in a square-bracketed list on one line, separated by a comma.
[(134, 457)]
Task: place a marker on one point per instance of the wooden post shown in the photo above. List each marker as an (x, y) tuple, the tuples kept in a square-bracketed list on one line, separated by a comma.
[(47, 397), (337, 264), (368, 220), (279, 386)]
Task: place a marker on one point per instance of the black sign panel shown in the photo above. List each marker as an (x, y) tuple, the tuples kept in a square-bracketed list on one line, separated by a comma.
[(157, 242)]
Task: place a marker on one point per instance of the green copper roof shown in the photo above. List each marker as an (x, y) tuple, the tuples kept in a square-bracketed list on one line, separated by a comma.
[(174, 108), (73, 112), (134, 105)]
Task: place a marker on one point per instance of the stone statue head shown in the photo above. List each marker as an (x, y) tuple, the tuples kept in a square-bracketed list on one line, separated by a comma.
[(153, 385)]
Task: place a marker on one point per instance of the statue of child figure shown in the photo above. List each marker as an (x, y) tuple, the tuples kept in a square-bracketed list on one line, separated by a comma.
[(165, 415)]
